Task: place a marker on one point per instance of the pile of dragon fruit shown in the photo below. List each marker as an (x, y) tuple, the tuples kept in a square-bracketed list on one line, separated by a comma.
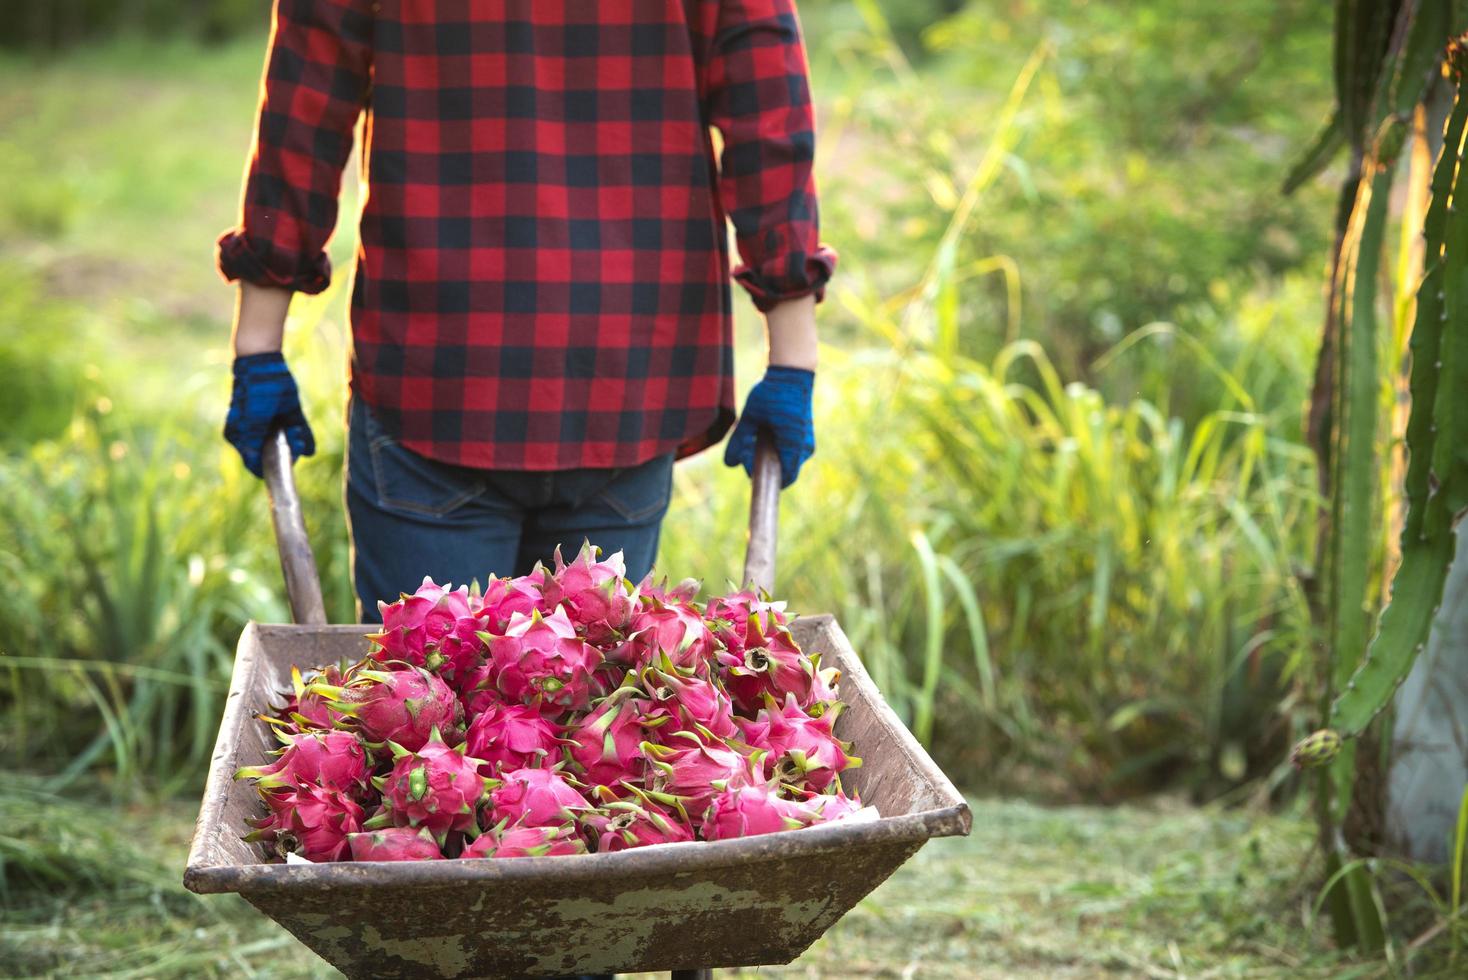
[(560, 712)]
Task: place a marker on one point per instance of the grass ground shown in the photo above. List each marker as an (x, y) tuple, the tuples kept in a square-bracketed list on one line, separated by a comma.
[(1157, 890)]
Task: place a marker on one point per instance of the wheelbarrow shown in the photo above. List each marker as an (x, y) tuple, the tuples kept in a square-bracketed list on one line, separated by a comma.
[(685, 907)]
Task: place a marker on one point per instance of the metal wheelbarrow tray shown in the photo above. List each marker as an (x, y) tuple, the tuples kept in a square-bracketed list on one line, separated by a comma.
[(681, 907)]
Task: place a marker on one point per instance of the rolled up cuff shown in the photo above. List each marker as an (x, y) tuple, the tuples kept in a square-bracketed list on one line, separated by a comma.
[(787, 277), (238, 260)]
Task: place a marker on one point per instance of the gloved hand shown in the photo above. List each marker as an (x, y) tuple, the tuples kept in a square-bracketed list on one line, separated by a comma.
[(780, 403), (265, 399)]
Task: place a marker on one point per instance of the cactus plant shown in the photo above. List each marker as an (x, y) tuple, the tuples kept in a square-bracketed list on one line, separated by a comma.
[(1437, 434), (1386, 59)]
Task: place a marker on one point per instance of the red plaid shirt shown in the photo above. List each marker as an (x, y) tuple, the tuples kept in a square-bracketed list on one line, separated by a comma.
[(543, 277)]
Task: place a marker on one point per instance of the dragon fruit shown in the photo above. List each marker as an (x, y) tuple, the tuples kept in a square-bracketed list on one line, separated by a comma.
[(694, 771), (684, 591), (310, 821), (476, 688), (394, 844), (503, 598), (552, 713), (837, 806), (535, 798), (592, 592), (744, 811), (437, 788), (526, 841), (607, 745), (399, 706), (801, 748), (672, 628), (511, 736), (687, 700), (335, 759), (771, 664), (622, 824), (540, 659), (822, 686), (429, 627), (305, 710), (728, 617)]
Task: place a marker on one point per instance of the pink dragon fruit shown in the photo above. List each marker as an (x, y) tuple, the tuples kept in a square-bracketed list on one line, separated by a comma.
[(311, 821), (622, 824), (523, 841), (771, 664), (429, 627), (477, 690), (687, 700), (535, 798), (837, 806), (607, 743), (305, 710), (745, 811), (801, 749), (394, 844), (684, 591), (505, 597), (587, 588), (672, 628), (399, 706), (511, 736), (335, 759), (695, 771), (823, 685), (437, 788), (541, 659), (728, 617)]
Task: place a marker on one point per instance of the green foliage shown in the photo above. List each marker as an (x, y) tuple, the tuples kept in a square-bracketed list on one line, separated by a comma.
[(43, 378), (1142, 184), (124, 558), (59, 23)]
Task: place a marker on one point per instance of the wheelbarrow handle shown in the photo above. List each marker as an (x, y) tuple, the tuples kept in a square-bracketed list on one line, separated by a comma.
[(764, 514), (297, 563)]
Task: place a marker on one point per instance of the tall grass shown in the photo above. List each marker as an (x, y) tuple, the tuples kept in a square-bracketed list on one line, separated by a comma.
[(127, 572), (136, 548)]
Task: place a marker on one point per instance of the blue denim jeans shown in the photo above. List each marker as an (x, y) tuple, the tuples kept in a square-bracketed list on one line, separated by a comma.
[(411, 516)]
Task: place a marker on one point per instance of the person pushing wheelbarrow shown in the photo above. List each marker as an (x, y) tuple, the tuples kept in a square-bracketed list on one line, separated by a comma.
[(541, 309)]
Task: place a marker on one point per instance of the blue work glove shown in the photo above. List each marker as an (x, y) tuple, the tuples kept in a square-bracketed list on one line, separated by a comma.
[(265, 399), (781, 404)]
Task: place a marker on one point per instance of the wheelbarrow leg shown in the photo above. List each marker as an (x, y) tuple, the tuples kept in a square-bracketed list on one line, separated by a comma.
[(693, 975)]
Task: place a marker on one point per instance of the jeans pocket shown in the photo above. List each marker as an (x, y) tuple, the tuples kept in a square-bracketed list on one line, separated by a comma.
[(402, 480), (640, 493)]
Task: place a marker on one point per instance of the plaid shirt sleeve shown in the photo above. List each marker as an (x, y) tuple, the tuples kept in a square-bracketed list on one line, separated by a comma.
[(757, 93), (316, 83)]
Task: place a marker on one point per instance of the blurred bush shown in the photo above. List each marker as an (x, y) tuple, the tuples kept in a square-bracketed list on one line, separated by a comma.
[(1138, 180), (43, 378), (44, 25)]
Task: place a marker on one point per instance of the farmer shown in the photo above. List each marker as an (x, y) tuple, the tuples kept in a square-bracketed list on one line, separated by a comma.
[(541, 311)]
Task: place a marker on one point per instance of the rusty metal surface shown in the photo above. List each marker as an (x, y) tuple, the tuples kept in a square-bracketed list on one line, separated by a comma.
[(744, 902)]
